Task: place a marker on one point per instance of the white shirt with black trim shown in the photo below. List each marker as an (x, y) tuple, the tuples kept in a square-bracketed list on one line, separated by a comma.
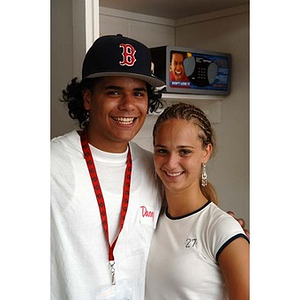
[(183, 260)]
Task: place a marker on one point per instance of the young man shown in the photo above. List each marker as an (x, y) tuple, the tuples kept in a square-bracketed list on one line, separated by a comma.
[(105, 199), (122, 202)]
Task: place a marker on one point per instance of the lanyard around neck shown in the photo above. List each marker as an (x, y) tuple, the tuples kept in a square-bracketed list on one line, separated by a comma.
[(100, 199)]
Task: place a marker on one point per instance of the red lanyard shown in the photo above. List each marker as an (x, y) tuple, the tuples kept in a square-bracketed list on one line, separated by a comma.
[(99, 196)]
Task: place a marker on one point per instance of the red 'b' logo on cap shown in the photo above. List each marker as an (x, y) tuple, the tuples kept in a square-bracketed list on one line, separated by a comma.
[(128, 55)]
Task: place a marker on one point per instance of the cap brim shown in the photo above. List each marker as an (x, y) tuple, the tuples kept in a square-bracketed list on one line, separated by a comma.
[(152, 80)]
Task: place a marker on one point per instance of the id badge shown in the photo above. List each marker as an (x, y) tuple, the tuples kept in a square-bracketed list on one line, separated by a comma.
[(122, 290)]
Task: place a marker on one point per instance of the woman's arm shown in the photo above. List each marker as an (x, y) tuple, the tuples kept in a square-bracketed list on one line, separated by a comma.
[(234, 264)]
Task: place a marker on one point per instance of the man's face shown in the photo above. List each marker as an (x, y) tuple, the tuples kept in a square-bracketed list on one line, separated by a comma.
[(176, 66), (117, 109)]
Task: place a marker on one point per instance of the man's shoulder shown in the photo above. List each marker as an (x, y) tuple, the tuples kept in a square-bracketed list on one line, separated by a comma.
[(67, 143), (72, 135)]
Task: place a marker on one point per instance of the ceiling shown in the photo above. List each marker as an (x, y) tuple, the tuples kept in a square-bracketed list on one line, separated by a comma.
[(172, 9)]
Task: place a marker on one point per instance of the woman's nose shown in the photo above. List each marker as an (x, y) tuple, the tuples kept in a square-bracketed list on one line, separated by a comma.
[(171, 161)]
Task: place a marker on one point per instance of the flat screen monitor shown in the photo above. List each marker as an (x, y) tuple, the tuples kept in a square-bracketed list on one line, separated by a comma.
[(192, 71)]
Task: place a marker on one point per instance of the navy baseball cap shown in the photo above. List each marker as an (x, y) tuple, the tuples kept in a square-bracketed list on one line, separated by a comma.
[(116, 55)]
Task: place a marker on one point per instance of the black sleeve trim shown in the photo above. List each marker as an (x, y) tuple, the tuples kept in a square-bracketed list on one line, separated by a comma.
[(229, 241)]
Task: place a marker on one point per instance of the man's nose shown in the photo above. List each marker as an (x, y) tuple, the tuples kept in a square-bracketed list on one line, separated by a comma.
[(127, 102)]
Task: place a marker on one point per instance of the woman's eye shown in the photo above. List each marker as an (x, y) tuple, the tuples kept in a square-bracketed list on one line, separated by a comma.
[(185, 152), (161, 151)]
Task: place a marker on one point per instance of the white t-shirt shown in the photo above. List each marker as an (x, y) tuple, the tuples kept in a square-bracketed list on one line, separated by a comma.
[(183, 259), (79, 254)]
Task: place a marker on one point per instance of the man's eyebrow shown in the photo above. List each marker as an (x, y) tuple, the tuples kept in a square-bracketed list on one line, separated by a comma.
[(140, 89), (113, 87), (119, 88)]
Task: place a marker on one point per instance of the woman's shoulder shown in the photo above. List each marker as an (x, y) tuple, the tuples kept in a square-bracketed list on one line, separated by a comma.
[(218, 218), (221, 228)]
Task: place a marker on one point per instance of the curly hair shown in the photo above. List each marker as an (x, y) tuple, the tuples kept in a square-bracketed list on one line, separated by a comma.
[(72, 96)]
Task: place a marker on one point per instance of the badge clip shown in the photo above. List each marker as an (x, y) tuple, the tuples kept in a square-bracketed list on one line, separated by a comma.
[(112, 270)]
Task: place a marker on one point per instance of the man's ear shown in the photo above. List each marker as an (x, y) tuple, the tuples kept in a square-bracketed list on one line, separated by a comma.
[(87, 96)]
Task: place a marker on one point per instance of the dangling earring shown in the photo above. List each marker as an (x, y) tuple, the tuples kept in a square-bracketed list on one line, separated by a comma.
[(203, 175)]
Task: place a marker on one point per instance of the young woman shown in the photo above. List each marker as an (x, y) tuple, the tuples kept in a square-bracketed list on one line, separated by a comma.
[(198, 250)]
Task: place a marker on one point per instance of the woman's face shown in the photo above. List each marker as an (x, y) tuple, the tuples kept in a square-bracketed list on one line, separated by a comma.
[(179, 154)]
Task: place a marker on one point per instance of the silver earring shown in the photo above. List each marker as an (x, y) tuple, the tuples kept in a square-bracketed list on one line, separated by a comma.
[(203, 175)]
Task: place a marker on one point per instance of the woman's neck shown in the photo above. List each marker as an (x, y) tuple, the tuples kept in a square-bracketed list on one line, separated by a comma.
[(180, 204)]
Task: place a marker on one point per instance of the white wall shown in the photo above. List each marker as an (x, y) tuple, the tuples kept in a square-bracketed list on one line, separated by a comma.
[(61, 63), (74, 27), (152, 31)]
